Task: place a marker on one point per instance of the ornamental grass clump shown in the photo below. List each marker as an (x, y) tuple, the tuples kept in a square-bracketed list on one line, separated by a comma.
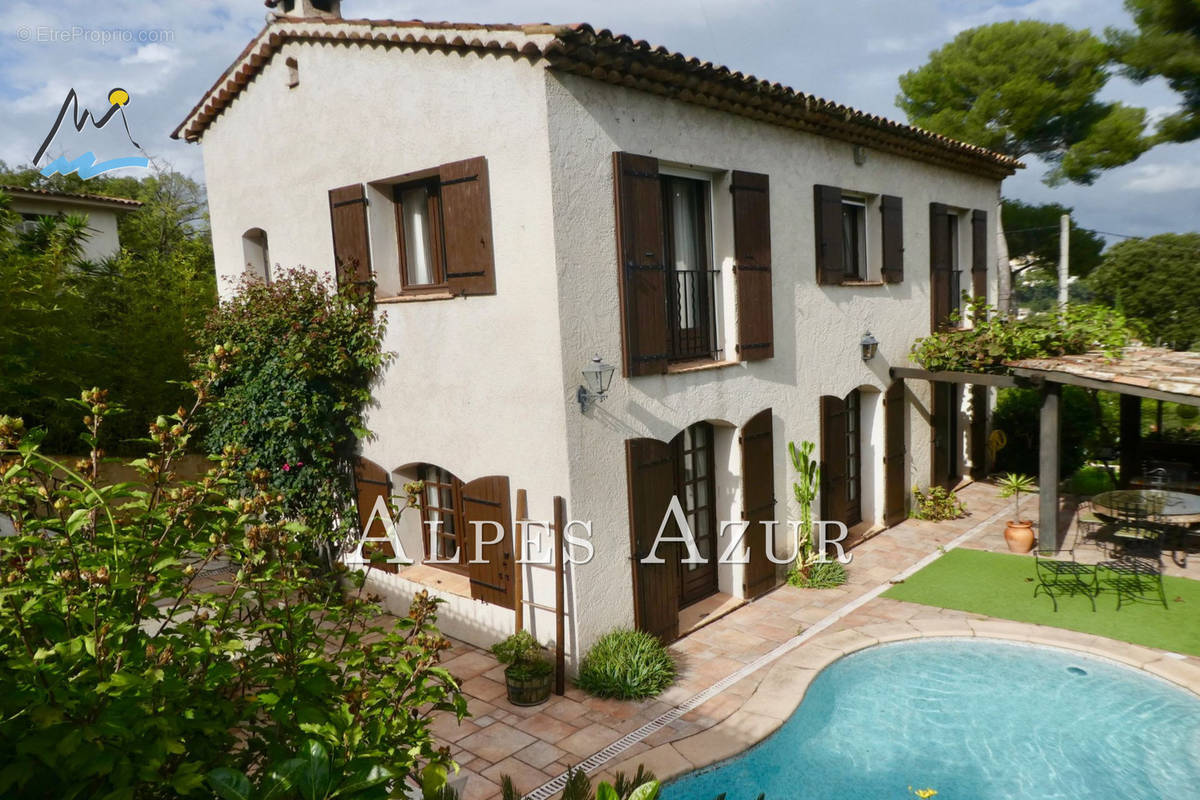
[(626, 665)]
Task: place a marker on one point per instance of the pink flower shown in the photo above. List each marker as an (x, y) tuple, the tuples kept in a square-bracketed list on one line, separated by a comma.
[(287, 467), (299, 463)]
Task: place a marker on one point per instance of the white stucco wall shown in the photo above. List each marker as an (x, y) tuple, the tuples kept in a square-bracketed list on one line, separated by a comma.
[(486, 385), (476, 386), (817, 328), (102, 240)]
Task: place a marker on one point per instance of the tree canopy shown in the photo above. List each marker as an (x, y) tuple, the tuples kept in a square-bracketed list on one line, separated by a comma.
[(127, 324), (1165, 44), (1027, 88), (1153, 281), (1033, 238)]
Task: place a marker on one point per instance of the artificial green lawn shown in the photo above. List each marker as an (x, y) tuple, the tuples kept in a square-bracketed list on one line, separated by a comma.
[(1001, 585)]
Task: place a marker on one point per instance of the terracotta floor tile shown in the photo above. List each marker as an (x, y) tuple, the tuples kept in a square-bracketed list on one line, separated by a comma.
[(524, 777), (589, 740), (540, 754), (496, 742)]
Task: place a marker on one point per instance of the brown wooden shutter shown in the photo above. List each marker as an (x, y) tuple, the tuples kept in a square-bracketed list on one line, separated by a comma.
[(827, 203), (833, 458), (940, 284), (467, 226), (650, 466), (979, 259), (643, 273), (372, 481), (351, 245), (895, 504), (891, 211), (752, 264), (487, 499), (758, 501)]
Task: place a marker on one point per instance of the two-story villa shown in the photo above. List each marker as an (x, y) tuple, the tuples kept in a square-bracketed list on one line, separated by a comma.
[(525, 197)]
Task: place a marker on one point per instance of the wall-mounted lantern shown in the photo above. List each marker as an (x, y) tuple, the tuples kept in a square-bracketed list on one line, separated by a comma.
[(597, 376), (870, 345)]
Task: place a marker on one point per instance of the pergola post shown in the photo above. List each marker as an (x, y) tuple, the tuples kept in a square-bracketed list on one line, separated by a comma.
[(1130, 432), (1048, 454)]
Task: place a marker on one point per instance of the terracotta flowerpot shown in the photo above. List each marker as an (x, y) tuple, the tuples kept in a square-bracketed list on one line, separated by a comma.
[(1019, 535)]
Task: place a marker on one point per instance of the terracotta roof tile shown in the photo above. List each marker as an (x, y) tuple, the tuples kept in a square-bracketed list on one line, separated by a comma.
[(1145, 367), (124, 202), (603, 55)]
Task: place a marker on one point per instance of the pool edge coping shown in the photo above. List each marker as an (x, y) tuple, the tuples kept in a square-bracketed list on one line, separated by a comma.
[(748, 726)]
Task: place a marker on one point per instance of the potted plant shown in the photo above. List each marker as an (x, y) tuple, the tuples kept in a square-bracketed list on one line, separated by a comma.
[(1019, 532), (529, 675)]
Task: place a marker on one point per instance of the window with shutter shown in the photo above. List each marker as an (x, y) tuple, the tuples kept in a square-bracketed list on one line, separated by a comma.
[(752, 264), (351, 245), (372, 483), (979, 259), (830, 247), (651, 476), (758, 502), (443, 222), (891, 214), (943, 264), (487, 500), (642, 263)]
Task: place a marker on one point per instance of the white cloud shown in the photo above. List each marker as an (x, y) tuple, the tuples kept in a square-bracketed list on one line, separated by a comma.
[(150, 54), (1157, 178)]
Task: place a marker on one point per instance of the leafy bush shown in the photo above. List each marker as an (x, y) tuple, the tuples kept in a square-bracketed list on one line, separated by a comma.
[(937, 504), (127, 323), (133, 668), (993, 340), (1018, 414), (523, 655), (299, 359), (1088, 481), (627, 665), (641, 786)]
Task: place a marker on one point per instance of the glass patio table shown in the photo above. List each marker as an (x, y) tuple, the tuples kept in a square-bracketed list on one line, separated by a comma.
[(1152, 503)]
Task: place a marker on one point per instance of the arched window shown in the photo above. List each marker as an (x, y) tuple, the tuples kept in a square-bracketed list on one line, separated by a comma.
[(255, 254)]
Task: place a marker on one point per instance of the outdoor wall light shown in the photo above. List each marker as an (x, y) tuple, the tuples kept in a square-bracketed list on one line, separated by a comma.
[(598, 376), (869, 346)]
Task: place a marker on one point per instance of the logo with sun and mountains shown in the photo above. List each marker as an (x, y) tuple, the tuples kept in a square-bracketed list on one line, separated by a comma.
[(86, 165)]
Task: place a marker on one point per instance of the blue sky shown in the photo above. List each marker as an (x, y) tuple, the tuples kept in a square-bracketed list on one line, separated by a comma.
[(166, 53)]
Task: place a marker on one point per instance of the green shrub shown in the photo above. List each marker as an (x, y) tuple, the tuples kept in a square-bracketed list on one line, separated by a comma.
[(1088, 481), (152, 632), (1018, 414), (937, 504), (299, 361), (523, 655), (627, 665)]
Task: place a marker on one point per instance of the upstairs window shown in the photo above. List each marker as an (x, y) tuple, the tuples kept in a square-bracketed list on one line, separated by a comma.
[(852, 247), (442, 232), (670, 288), (255, 254)]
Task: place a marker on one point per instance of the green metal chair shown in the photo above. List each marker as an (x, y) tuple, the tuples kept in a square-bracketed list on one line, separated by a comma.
[(1061, 577)]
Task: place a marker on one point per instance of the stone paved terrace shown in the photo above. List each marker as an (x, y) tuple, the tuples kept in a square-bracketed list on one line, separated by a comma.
[(534, 745)]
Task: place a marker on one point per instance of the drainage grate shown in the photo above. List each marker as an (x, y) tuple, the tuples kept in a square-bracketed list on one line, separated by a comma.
[(599, 759)]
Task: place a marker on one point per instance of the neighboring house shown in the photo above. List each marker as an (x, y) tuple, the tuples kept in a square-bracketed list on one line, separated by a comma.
[(527, 196), (101, 212)]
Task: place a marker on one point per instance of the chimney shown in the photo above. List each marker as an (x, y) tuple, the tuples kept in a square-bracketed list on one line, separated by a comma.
[(307, 9)]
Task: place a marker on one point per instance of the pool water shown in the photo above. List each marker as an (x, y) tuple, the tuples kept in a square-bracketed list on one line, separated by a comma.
[(974, 720)]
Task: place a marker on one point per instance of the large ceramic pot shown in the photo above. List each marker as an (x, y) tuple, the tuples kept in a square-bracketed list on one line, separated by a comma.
[(528, 690), (1019, 535)]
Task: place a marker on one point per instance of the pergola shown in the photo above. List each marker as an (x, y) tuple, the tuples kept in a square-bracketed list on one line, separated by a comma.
[(1134, 373)]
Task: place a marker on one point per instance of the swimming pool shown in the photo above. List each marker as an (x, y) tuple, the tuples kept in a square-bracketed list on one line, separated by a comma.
[(975, 720)]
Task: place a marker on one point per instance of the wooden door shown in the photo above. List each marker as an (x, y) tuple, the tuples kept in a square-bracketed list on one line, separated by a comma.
[(372, 482), (650, 470), (895, 506), (833, 459), (487, 500), (696, 485), (758, 502)]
